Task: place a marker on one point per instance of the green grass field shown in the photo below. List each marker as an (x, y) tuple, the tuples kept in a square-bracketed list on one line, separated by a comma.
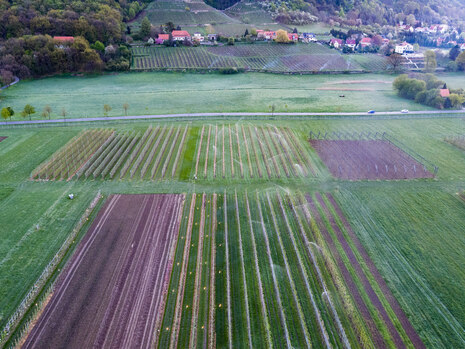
[(410, 229), (160, 93)]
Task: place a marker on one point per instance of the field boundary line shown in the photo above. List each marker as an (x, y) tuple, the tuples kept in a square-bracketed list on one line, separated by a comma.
[(211, 327), (198, 276), (257, 272), (243, 270), (228, 280), (182, 278), (273, 274), (27, 301)]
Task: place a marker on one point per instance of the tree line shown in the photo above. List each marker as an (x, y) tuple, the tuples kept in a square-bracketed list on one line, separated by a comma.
[(425, 89), (27, 48)]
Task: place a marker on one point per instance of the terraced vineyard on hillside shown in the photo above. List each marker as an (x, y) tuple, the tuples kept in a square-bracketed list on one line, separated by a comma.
[(264, 57)]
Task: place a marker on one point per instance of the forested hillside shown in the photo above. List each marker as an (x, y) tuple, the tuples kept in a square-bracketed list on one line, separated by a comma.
[(381, 12), (27, 28)]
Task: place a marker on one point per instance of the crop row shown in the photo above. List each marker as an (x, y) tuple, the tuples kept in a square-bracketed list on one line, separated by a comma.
[(273, 270), (275, 58), (105, 154), (68, 160), (244, 151)]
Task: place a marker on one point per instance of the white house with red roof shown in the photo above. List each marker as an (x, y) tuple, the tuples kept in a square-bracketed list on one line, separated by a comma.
[(351, 43), (404, 47), (365, 42), (336, 43), (293, 37), (181, 35)]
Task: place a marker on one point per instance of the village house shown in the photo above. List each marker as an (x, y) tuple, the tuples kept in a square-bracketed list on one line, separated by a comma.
[(444, 92), (350, 44), (404, 47), (293, 37), (162, 38), (198, 37), (365, 42), (181, 35), (307, 37), (62, 40), (336, 43), (270, 35), (212, 37)]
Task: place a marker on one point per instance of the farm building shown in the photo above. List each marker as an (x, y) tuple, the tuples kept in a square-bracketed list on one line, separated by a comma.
[(365, 42), (336, 43), (444, 92), (198, 37), (181, 35), (293, 37), (307, 37), (405, 47), (351, 43), (162, 38)]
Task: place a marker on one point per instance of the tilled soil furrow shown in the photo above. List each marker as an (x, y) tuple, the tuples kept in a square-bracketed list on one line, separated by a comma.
[(110, 294)]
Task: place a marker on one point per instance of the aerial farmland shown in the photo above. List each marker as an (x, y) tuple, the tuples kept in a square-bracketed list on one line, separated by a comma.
[(232, 174), (260, 233)]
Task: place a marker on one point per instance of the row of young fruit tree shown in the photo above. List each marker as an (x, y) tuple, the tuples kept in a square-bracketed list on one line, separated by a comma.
[(269, 269)]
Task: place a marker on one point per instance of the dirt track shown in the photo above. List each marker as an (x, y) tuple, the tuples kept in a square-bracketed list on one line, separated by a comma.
[(111, 290)]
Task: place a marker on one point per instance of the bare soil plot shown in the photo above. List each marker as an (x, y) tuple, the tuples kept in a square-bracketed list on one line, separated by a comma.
[(113, 290), (368, 159), (2, 138)]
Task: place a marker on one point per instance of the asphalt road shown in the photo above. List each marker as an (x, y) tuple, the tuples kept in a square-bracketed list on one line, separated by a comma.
[(194, 115)]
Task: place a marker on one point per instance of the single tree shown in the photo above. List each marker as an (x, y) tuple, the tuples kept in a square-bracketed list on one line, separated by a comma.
[(106, 109), (272, 108), (447, 103), (145, 28), (295, 31), (126, 107), (47, 111), (11, 111), (460, 60), (430, 61), (246, 32), (394, 62), (28, 111), (5, 113), (454, 52), (64, 113), (281, 36)]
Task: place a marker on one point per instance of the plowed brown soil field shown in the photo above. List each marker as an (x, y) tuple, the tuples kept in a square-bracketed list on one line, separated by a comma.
[(368, 159), (114, 287)]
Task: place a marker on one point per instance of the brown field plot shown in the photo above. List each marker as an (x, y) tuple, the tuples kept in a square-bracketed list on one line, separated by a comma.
[(2, 138), (368, 159), (112, 292)]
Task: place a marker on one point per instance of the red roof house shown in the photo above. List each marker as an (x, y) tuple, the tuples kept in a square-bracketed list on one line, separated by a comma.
[(336, 43), (293, 36), (181, 35), (365, 42), (444, 92), (162, 38), (64, 38)]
